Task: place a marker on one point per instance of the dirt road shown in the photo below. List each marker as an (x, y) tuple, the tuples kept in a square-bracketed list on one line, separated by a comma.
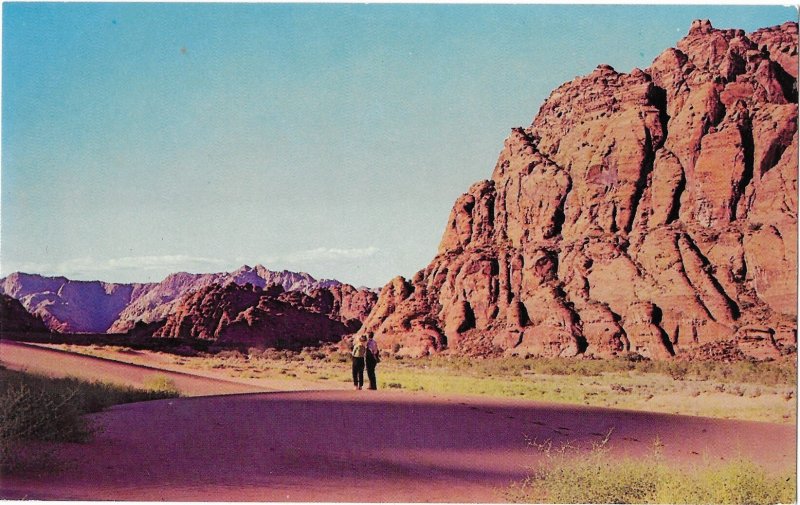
[(53, 362)]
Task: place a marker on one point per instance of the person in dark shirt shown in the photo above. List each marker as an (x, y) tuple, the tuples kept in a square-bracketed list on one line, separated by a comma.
[(373, 357)]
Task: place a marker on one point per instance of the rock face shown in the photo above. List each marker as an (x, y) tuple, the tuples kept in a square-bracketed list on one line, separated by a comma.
[(69, 306), (14, 317), (158, 300), (653, 212), (271, 317)]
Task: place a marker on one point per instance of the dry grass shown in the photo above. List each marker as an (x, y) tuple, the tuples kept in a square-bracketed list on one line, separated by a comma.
[(572, 476), (36, 409), (750, 391)]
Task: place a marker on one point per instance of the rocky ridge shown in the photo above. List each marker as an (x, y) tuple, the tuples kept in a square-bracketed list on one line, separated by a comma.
[(69, 306), (270, 317), (14, 317), (652, 212)]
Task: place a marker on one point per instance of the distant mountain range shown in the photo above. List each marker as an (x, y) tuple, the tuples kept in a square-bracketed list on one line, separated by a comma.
[(70, 306)]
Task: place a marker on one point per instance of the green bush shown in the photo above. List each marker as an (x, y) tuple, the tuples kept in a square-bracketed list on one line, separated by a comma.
[(567, 476)]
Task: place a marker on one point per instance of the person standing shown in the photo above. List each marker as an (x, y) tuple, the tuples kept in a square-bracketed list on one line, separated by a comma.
[(373, 357), (359, 351)]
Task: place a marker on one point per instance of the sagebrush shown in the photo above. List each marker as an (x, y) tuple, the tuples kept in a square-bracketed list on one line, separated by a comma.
[(571, 476), (42, 409)]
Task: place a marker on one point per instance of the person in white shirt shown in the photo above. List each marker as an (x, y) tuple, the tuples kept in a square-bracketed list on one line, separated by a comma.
[(359, 351), (373, 357)]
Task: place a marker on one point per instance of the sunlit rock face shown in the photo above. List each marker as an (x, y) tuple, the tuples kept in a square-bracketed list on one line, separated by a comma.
[(652, 212)]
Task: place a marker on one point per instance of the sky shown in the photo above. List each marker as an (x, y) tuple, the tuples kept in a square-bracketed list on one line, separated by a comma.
[(144, 139)]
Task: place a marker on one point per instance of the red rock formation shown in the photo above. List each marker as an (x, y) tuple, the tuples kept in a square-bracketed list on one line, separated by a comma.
[(157, 302), (14, 318), (271, 317), (69, 306), (652, 212)]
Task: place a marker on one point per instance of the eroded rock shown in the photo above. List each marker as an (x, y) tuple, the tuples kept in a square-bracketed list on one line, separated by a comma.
[(652, 212)]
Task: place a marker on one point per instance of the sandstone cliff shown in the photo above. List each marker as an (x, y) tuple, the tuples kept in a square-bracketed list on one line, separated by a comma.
[(271, 317), (653, 212)]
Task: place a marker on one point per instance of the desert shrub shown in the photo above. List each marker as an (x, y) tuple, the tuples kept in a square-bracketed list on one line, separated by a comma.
[(620, 388), (36, 412), (633, 357), (317, 355), (161, 384), (737, 482), (567, 476), (38, 408), (274, 354), (185, 351), (255, 352), (677, 370), (767, 373), (232, 355), (555, 367), (29, 413), (736, 390)]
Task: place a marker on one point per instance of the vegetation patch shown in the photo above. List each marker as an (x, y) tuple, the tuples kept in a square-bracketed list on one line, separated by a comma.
[(570, 476), (161, 386), (36, 409), (757, 391)]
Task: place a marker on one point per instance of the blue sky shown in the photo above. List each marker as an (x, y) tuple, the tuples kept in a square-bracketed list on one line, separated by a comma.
[(142, 139)]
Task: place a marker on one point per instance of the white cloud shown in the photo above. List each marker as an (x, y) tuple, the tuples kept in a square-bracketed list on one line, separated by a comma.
[(168, 262), (161, 262), (25, 266), (328, 254), (155, 267), (129, 267)]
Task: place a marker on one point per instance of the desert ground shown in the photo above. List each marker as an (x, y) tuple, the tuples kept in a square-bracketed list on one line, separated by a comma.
[(239, 440)]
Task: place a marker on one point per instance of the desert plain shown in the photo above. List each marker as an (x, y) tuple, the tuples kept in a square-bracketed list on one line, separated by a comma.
[(236, 438)]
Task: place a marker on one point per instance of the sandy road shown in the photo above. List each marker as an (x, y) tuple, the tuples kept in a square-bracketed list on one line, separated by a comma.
[(361, 446), (57, 363)]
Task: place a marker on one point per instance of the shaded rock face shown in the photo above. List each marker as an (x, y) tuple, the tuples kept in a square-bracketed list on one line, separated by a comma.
[(69, 306), (652, 212), (271, 317), (155, 303), (14, 317)]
